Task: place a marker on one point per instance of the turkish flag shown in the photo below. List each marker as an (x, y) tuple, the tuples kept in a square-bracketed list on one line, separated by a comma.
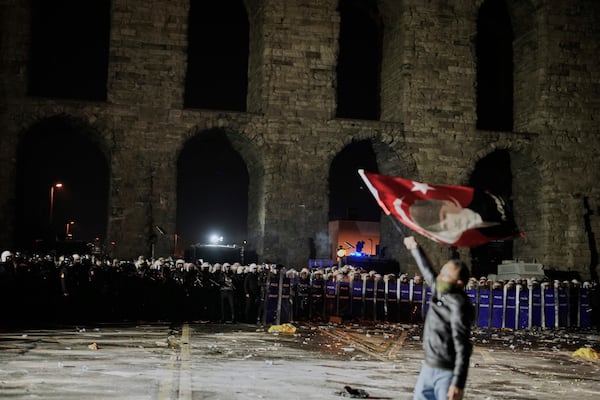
[(458, 216)]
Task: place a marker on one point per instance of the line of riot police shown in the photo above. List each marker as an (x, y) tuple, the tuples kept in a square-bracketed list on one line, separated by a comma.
[(79, 289)]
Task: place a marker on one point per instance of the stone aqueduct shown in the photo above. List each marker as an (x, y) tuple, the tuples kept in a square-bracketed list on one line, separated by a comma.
[(426, 129)]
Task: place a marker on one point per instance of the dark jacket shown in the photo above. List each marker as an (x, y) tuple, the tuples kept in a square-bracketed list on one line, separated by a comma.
[(447, 326)]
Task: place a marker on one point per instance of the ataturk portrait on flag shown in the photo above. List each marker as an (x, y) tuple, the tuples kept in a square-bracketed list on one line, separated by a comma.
[(452, 215)]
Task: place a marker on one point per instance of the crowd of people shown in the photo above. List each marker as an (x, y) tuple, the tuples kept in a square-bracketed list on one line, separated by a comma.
[(91, 288)]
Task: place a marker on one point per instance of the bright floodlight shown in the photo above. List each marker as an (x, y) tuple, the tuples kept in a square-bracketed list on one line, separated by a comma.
[(214, 239)]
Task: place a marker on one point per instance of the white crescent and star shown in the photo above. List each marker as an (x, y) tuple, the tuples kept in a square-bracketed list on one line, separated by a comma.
[(421, 187)]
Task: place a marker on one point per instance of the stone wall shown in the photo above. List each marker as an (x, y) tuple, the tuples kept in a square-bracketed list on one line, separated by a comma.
[(289, 136)]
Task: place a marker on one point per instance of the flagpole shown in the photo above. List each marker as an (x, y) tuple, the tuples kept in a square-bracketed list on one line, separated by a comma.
[(397, 225)]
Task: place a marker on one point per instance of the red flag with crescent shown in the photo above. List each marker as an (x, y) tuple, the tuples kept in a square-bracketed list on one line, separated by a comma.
[(453, 215)]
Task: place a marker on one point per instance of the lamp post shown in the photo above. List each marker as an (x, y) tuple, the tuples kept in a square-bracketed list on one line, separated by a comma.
[(67, 234), (57, 186)]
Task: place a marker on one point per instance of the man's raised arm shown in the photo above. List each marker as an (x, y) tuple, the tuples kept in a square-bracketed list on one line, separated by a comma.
[(422, 261)]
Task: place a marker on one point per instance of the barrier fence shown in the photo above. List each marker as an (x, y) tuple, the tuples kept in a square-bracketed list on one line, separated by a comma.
[(296, 299)]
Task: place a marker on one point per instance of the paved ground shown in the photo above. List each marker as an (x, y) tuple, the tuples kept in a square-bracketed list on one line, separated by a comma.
[(202, 361)]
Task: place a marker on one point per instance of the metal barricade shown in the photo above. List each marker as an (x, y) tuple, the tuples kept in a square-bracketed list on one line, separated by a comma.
[(331, 298), (427, 300), (585, 311), (473, 296), (317, 294), (536, 307), (416, 302), (550, 308), (563, 306), (391, 301), (369, 304), (358, 299), (523, 308), (574, 308), (272, 298), (497, 317), (284, 305), (380, 300), (302, 299), (484, 309), (404, 308), (510, 308), (344, 306)]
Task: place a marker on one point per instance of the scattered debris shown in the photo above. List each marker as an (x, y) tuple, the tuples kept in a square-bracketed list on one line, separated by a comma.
[(586, 352), (283, 328), (353, 393), (562, 339), (172, 341)]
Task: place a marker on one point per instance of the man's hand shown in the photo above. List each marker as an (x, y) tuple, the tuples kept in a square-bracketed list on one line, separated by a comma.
[(455, 393), (410, 243)]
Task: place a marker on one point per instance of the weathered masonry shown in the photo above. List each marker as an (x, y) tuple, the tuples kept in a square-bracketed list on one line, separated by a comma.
[(444, 87)]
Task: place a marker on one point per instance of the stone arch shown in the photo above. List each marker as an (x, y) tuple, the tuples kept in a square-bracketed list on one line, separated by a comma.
[(391, 159), (249, 155), (347, 187), (93, 133), (526, 198), (48, 150)]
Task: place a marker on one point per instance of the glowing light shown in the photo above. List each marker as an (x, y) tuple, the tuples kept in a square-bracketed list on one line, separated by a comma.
[(214, 239)]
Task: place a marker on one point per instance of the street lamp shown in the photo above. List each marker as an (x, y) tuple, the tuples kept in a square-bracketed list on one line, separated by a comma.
[(57, 186), (67, 234)]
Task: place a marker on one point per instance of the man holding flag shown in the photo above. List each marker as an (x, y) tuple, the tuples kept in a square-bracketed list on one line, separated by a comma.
[(453, 216), (447, 329)]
